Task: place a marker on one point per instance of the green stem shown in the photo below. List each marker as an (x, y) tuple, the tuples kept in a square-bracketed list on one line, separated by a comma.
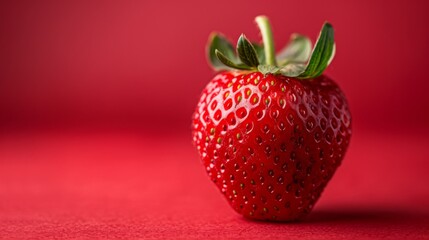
[(267, 38)]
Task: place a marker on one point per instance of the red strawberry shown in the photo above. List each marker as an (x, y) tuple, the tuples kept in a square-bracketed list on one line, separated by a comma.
[(271, 136)]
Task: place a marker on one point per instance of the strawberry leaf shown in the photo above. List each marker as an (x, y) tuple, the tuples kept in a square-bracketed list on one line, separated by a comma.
[(246, 52), (322, 54), (220, 43), (293, 69), (298, 50), (265, 69), (260, 52), (228, 62), (295, 60), (320, 58)]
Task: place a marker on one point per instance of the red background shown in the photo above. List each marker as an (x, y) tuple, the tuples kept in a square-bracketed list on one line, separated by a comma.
[(96, 100)]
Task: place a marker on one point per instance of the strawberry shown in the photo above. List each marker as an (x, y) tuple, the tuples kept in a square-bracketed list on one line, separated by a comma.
[(272, 130)]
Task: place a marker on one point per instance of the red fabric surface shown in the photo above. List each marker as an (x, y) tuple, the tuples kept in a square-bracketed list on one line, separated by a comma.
[(122, 185)]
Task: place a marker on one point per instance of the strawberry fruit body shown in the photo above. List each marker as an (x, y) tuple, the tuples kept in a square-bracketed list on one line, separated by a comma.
[(272, 137)]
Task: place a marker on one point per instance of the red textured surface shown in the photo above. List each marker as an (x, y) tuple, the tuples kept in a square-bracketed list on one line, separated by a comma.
[(123, 185)]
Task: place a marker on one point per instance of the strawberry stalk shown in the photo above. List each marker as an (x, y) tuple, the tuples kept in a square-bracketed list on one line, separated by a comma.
[(267, 38)]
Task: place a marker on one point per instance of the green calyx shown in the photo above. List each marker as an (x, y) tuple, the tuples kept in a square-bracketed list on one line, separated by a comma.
[(297, 59)]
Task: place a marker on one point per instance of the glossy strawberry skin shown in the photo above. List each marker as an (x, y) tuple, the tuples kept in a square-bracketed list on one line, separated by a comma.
[(271, 143)]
